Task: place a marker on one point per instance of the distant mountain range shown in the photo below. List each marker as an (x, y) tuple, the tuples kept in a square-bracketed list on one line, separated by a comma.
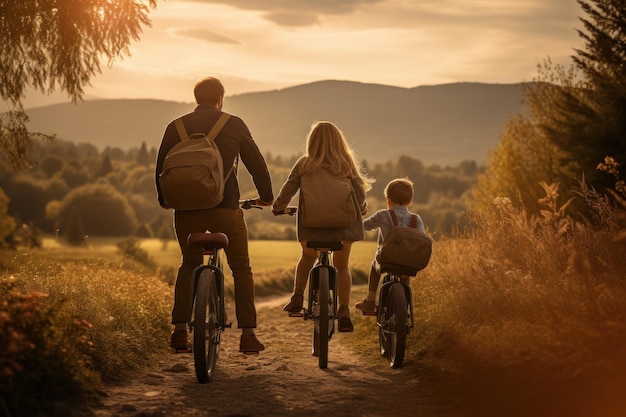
[(442, 124)]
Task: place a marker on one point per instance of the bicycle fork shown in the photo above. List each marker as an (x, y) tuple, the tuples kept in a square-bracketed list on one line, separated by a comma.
[(219, 280), (384, 295), (312, 311)]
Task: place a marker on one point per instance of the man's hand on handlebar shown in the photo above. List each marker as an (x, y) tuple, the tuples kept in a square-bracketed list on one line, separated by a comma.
[(254, 203), (259, 202)]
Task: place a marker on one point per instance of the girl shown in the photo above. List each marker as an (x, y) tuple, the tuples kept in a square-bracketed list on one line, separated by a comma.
[(326, 150)]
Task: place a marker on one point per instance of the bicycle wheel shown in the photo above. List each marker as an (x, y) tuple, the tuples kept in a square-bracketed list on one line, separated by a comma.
[(206, 330), (321, 322), (397, 321), (381, 319)]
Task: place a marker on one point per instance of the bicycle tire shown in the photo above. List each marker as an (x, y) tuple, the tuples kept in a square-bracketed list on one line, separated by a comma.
[(398, 325), (321, 327), (383, 339), (206, 330)]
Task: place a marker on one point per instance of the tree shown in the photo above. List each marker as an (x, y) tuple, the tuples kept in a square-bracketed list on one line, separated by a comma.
[(143, 157), (102, 211), (603, 63), (575, 120), (58, 44), (7, 223)]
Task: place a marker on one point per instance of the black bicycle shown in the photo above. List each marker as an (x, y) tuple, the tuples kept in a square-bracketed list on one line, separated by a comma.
[(208, 315), (322, 298), (395, 313)]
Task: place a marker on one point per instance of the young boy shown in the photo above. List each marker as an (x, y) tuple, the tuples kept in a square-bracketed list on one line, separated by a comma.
[(399, 194)]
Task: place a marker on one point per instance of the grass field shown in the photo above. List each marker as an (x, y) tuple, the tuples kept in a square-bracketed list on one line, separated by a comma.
[(264, 254)]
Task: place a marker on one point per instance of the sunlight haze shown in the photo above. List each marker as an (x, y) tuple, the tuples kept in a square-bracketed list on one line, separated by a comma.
[(258, 46)]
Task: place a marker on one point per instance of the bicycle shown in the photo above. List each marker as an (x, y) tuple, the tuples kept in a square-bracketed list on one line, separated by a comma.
[(322, 298), (322, 295), (395, 312), (208, 315)]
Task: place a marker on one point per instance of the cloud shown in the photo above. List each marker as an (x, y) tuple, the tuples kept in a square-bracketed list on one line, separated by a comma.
[(296, 12), (205, 35), (292, 19)]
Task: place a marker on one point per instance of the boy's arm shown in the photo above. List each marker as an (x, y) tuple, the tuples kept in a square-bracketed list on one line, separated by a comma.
[(374, 221)]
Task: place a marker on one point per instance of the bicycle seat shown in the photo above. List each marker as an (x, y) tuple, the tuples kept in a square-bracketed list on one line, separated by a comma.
[(332, 245), (397, 269), (207, 241)]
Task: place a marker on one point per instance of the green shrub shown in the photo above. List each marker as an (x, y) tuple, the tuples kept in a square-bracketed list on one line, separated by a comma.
[(66, 325)]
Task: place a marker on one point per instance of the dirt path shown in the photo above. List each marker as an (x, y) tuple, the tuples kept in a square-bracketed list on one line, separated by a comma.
[(284, 380)]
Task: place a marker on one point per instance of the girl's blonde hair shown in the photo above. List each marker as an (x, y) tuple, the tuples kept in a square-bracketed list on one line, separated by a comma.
[(326, 148)]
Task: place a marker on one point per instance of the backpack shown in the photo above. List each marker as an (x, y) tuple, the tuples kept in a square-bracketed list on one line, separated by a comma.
[(406, 248), (193, 171), (327, 201)]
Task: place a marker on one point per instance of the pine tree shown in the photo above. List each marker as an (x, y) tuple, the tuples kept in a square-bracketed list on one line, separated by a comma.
[(603, 65)]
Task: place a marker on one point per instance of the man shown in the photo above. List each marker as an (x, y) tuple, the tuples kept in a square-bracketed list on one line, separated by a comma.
[(233, 141)]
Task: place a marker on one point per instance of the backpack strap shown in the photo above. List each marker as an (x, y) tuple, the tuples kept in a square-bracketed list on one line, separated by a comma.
[(394, 218), (218, 126), (213, 133), (180, 127), (182, 131)]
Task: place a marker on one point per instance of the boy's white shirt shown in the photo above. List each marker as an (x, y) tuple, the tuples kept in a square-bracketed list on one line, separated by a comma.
[(382, 221)]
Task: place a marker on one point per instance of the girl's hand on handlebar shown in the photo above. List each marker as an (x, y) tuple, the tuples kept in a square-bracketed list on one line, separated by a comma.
[(287, 210)]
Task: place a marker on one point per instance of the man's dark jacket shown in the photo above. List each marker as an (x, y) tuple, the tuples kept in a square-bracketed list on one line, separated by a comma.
[(234, 139)]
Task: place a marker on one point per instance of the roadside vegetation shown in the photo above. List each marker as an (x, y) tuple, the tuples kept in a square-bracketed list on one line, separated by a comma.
[(524, 315), (519, 315)]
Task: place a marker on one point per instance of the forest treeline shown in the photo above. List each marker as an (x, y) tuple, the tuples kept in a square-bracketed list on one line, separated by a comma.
[(75, 190)]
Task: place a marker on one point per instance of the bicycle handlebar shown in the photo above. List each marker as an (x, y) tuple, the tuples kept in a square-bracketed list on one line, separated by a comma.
[(249, 204), (290, 210)]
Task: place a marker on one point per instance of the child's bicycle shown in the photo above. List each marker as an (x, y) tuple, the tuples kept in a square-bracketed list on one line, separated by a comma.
[(208, 315), (322, 298), (395, 312)]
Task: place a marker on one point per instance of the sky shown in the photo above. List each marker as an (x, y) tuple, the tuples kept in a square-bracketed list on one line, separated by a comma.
[(253, 45)]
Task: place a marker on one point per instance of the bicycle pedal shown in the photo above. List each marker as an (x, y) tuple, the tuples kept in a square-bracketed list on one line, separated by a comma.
[(369, 314), (296, 314), (188, 350), (251, 353)]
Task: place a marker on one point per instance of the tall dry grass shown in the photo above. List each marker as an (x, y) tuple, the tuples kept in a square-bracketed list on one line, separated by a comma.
[(67, 325), (525, 316)]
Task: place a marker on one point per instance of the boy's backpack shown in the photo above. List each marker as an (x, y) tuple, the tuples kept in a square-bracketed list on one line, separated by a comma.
[(405, 247), (193, 173), (327, 201)]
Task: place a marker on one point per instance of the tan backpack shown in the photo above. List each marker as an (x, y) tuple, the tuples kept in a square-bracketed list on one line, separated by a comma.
[(193, 171), (327, 201), (405, 247)]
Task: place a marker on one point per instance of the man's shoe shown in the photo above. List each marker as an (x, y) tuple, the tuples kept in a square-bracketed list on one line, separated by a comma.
[(368, 308), (343, 319), (179, 342), (295, 304), (250, 344)]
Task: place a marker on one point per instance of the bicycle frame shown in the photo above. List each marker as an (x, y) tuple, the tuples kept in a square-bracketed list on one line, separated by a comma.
[(208, 315), (322, 299)]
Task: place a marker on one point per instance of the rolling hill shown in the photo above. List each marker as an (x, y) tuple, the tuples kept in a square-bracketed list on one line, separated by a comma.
[(442, 124)]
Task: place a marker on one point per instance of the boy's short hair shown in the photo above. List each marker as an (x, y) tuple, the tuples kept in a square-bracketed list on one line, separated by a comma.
[(208, 91), (400, 191)]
